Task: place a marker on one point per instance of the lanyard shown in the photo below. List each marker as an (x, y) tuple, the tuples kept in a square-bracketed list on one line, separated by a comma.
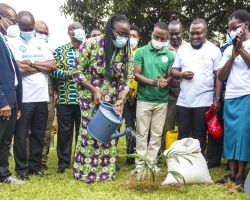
[(113, 57)]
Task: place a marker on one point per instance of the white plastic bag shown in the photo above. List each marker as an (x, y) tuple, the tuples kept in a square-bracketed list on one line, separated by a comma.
[(195, 173)]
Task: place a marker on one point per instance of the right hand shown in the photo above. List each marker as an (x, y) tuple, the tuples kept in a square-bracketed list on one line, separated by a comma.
[(5, 112), (156, 82), (174, 91), (97, 97), (187, 75)]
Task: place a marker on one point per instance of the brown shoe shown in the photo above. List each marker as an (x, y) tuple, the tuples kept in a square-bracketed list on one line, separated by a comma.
[(44, 167)]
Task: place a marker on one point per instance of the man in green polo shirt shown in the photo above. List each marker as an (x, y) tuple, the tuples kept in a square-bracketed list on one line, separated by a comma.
[(152, 65)]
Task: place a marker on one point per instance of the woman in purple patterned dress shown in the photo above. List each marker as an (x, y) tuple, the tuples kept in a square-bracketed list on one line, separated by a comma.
[(103, 70)]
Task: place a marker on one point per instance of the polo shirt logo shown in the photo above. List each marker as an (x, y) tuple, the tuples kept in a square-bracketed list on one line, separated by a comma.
[(22, 48), (39, 48), (202, 57), (164, 59)]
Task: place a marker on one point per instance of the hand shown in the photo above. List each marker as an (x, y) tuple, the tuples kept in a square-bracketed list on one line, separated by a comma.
[(155, 82), (5, 112), (175, 91), (18, 114), (217, 106), (239, 39), (163, 81), (119, 106), (187, 75), (97, 97)]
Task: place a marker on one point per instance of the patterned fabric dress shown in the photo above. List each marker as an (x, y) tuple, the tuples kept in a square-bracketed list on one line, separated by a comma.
[(93, 160)]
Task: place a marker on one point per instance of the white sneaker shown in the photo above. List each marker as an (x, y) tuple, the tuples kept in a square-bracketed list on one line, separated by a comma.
[(13, 180)]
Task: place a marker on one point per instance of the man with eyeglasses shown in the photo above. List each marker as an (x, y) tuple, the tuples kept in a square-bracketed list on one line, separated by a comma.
[(152, 65), (68, 110), (35, 61), (10, 94)]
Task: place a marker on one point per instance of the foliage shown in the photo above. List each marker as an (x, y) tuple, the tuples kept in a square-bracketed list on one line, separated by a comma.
[(145, 13), (149, 167)]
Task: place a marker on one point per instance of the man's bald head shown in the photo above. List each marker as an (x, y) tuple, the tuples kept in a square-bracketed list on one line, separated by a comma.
[(41, 27), (5, 9), (74, 24), (8, 17), (26, 21)]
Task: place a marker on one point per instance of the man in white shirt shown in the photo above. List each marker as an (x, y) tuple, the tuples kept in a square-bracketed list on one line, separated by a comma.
[(196, 65), (34, 60)]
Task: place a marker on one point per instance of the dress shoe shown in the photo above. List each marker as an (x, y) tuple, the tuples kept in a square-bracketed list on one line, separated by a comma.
[(23, 176), (129, 161), (212, 164), (60, 170), (38, 173), (44, 167)]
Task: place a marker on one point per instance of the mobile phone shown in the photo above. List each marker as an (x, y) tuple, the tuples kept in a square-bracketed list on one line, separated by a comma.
[(235, 39)]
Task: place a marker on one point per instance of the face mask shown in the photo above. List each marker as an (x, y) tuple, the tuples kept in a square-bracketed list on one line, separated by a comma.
[(42, 37), (229, 40), (79, 34), (196, 46), (120, 42), (12, 30), (158, 45), (133, 42), (27, 35), (232, 35)]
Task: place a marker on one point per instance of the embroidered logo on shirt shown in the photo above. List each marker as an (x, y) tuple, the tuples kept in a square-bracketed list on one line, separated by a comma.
[(164, 59), (22, 48), (202, 57), (39, 48)]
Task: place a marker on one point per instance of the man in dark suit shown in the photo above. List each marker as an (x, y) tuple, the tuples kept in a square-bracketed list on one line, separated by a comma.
[(10, 93)]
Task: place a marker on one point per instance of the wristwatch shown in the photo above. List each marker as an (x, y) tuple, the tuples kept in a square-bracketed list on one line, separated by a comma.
[(32, 63), (122, 98), (217, 98)]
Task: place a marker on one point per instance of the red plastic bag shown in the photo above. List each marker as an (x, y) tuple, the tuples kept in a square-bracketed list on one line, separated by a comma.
[(213, 125)]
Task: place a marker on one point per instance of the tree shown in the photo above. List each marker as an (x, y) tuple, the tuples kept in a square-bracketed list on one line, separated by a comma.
[(145, 13)]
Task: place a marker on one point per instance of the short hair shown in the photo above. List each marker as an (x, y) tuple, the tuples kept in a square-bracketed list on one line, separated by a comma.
[(135, 28), (161, 25), (95, 29), (242, 16), (4, 8), (23, 14), (175, 22), (72, 25), (199, 21), (216, 42)]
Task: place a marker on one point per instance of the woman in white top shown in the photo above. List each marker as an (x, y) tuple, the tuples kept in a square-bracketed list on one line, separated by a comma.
[(235, 65)]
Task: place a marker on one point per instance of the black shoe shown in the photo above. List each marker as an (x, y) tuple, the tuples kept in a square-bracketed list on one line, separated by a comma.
[(129, 161), (23, 177), (38, 173), (60, 170), (89, 182), (240, 180), (117, 168), (212, 164), (226, 179)]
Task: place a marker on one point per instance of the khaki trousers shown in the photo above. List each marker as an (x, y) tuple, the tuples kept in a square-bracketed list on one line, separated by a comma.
[(153, 116)]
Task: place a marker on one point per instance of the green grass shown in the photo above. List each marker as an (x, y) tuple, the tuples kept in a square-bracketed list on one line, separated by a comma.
[(63, 186)]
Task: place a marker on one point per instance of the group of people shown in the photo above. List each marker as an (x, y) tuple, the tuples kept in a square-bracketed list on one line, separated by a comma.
[(169, 81)]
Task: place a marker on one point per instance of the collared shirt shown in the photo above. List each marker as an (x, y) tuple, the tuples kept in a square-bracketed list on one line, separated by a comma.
[(175, 83), (11, 58), (67, 88), (153, 64)]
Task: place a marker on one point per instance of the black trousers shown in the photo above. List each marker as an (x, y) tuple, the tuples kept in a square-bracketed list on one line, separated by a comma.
[(192, 120), (67, 116), (34, 118), (6, 134)]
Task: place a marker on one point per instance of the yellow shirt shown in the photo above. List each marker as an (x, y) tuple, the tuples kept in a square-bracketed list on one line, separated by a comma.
[(134, 83)]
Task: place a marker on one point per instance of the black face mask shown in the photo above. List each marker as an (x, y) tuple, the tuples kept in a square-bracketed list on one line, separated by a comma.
[(196, 46)]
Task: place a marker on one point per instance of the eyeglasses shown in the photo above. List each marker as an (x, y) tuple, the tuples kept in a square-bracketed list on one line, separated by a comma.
[(41, 32), (12, 20), (228, 30), (126, 35), (77, 27)]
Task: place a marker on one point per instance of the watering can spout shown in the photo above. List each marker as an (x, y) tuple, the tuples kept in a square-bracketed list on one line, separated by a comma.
[(129, 131)]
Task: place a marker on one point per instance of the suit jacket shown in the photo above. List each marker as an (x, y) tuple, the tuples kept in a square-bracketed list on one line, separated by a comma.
[(7, 78)]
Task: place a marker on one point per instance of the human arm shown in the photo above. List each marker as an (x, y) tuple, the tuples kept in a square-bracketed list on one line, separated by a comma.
[(45, 67), (218, 93)]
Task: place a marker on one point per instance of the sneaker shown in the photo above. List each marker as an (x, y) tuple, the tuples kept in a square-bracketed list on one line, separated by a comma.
[(226, 179), (13, 180), (212, 164), (240, 180)]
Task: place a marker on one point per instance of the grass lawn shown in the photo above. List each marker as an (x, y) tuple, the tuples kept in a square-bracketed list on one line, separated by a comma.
[(63, 186)]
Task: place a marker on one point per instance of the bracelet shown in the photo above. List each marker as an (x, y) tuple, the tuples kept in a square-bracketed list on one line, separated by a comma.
[(122, 98)]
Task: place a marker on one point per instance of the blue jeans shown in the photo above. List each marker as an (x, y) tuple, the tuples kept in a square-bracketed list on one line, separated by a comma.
[(130, 117)]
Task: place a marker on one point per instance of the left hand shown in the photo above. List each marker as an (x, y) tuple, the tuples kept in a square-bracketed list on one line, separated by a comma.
[(18, 114), (119, 106), (217, 106)]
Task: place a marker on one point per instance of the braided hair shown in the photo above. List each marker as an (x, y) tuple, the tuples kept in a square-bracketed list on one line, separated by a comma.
[(108, 44)]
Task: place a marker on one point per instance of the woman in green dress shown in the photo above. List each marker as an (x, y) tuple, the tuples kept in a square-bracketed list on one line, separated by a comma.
[(103, 70)]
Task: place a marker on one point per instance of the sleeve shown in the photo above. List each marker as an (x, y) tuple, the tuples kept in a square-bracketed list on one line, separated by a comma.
[(125, 77), (217, 59), (171, 62), (226, 55), (3, 101), (138, 58), (177, 61), (81, 63), (60, 72), (14, 49)]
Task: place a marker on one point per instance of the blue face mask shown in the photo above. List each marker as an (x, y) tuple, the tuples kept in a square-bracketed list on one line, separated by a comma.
[(133, 42), (42, 37), (232, 35), (27, 35), (229, 40), (120, 42)]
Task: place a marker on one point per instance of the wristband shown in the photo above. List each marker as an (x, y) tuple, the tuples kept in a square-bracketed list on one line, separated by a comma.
[(122, 98)]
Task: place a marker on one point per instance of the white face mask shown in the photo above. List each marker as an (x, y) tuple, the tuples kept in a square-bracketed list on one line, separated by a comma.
[(79, 34), (13, 31), (158, 45)]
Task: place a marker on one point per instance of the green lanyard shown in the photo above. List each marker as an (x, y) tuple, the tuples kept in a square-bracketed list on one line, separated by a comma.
[(113, 57)]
